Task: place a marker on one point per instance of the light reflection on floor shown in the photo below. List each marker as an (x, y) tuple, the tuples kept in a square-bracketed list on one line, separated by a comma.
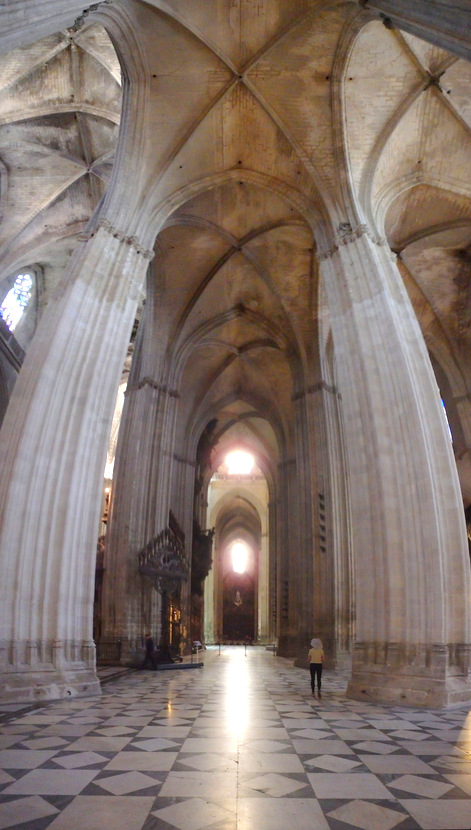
[(236, 705), (237, 745)]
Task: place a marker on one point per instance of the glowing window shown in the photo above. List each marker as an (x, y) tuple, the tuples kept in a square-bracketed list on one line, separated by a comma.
[(16, 300), (240, 555), (239, 463)]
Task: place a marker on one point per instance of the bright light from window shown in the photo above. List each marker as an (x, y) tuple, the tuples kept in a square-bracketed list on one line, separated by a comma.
[(240, 555), (239, 463), (16, 300)]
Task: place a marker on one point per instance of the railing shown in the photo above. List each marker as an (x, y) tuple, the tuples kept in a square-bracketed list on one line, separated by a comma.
[(108, 652)]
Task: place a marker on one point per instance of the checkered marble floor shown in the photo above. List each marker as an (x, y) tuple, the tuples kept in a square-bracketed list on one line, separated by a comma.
[(237, 745)]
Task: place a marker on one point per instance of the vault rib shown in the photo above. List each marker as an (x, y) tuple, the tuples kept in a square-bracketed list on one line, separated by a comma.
[(433, 230), (162, 6), (52, 152), (6, 247), (173, 153), (260, 381), (426, 82), (247, 419), (182, 350), (86, 46), (415, 60), (376, 152), (250, 87), (194, 30), (58, 109), (313, 12), (188, 220), (273, 419), (393, 188), (438, 318), (448, 103), (316, 177), (237, 247), (33, 67)]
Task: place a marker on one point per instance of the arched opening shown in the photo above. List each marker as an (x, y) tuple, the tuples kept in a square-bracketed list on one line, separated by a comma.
[(236, 596), (238, 608)]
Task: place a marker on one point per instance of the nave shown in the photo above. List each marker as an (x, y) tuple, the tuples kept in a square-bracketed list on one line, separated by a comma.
[(237, 745)]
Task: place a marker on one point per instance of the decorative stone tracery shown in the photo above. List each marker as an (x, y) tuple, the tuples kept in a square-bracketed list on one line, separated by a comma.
[(163, 559)]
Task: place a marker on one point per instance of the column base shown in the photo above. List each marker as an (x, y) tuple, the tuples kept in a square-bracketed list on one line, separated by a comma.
[(37, 670), (410, 691), (37, 686), (341, 661), (296, 646), (433, 676)]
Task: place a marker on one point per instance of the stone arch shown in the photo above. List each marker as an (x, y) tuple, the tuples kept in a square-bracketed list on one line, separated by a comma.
[(160, 213), (239, 516)]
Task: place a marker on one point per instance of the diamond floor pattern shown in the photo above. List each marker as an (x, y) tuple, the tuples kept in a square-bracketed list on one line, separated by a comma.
[(237, 745)]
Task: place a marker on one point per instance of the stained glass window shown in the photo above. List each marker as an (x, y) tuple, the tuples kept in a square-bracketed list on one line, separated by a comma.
[(16, 300)]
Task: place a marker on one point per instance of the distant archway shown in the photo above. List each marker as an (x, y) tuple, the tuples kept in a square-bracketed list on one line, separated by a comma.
[(239, 607)]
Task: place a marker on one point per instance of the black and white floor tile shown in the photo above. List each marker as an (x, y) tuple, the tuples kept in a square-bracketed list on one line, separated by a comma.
[(237, 745)]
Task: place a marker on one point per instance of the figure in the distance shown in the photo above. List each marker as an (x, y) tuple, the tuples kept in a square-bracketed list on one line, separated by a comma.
[(150, 652), (316, 659)]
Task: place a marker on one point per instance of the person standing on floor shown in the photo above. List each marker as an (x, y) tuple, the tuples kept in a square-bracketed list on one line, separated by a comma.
[(316, 659), (150, 652)]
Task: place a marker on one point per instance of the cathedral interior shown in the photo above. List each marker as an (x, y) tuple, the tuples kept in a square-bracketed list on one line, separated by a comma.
[(235, 409), (236, 394)]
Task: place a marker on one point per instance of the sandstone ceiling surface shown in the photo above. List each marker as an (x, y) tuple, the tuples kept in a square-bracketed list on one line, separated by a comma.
[(257, 114)]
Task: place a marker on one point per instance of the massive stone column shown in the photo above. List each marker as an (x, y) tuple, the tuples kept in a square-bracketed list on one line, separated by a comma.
[(263, 621), (284, 541), (412, 573), (445, 23), (338, 526), (140, 506), (310, 567), (302, 544), (182, 500), (332, 584), (273, 567), (295, 556), (52, 454)]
